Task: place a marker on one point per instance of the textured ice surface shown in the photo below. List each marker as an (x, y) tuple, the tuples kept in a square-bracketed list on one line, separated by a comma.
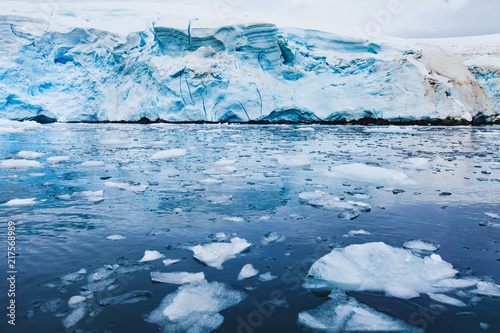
[(215, 254), (370, 174), (195, 307), (151, 256), (380, 267), (177, 277), (247, 272), (345, 314)]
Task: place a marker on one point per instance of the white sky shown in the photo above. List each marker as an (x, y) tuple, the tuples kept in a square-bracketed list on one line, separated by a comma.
[(402, 18)]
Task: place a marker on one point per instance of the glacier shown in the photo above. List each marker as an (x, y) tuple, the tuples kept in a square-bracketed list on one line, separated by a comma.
[(243, 72)]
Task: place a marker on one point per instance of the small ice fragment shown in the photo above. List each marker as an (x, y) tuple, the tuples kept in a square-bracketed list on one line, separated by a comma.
[(168, 154), (177, 210), (126, 186), (210, 181), (29, 155), (128, 298), (357, 233), (92, 164), (75, 300), (58, 159), (492, 215), (92, 196), (446, 300), (74, 317), (265, 218), (247, 272), (151, 256), (115, 237), (21, 202), (168, 262), (420, 245), (487, 289), (216, 254), (484, 326), (224, 162), (114, 142), (272, 237), (311, 195), (297, 161), (234, 219), (63, 197), (267, 277), (369, 174), (19, 164), (177, 277), (417, 163), (99, 285)]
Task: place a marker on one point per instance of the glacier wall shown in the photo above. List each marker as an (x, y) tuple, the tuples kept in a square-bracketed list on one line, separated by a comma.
[(246, 72)]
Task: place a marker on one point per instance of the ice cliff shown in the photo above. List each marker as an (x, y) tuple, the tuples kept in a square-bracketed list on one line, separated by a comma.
[(242, 72)]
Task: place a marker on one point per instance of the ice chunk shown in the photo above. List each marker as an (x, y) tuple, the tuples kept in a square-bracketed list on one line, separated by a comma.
[(357, 233), (128, 298), (58, 159), (177, 277), (420, 245), (29, 155), (487, 289), (74, 317), (73, 277), (224, 162), (195, 307), (492, 215), (115, 237), (369, 174), (294, 161), (101, 273), (416, 164), (76, 300), (92, 196), (92, 164), (19, 164), (168, 154), (307, 196), (99, 285), (168, 262), (234, 219), (267, 277), (128, 187), (216, 254), (247, 272), (345, 314), (21, 202), (446, 300), (329, 201), (151, 256), (272, 237), (380, 267)]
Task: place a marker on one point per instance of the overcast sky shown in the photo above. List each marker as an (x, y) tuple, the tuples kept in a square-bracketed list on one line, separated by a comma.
[(402, 18)]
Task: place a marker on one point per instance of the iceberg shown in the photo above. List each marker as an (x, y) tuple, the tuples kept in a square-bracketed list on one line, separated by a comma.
[(83, 70)]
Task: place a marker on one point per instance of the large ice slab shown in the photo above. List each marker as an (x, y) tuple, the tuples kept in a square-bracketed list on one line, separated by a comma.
[(379, 267)]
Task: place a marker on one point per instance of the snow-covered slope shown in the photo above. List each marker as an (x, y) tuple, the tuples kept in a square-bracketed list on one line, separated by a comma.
[(240, 72)]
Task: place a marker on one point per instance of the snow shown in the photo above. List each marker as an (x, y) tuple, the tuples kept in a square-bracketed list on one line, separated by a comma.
[(168, 154), (115, 237), (58, 159), (151, 256), (369, 174), (195, 307), (214, 255), (126, 186), (247, 272), (29, 155), (19, 164), (177, 277), (345, 314), (21, 202), (382, 268)]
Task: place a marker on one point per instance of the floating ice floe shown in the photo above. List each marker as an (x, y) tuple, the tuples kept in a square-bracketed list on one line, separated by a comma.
[(487, 289), (297, 161), (151, 256), (446, 300), (91, 164), (266, 277), (381, 268), (369, 174), (73, 277), (76, 300), (195, 307), (345, 314), (19, 164), (353, 233), (272, 237), (177, 277), (128, 298), (10, 126), (234, 219), (420, 246), (492, 215), (127, 187), (29, 155), (58, 159), (216, 254), (92, 196), (115, 237), (416, 163), (74, 317), (21, 202), (168, 154), (247, 272), (329, 201), (224, 162)]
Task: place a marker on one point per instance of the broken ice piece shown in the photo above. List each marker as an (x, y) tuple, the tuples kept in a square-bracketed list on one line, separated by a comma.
[(247, 272), (151, 256)]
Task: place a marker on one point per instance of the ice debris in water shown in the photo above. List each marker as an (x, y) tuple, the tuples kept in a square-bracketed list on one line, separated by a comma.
[(21, 202), (125, 186), (58, 159), (115, 237), (91, 164), (73, 277), (344, 314), (420, 246), (380, 267), (128, 298), (487, 289), (329, 201), (369, 174), (416, 164), (297, 161), (195, 307), (177, 277), (267, 277), (19, 164), (357, 233), (92, 196), (216, 254), (76, 301), (29, 155), (168, 154), (151, 256), (492, 215), (273, 237), (74, 317), (168, 262), (234, 219), (247, 272), (446, 300)]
